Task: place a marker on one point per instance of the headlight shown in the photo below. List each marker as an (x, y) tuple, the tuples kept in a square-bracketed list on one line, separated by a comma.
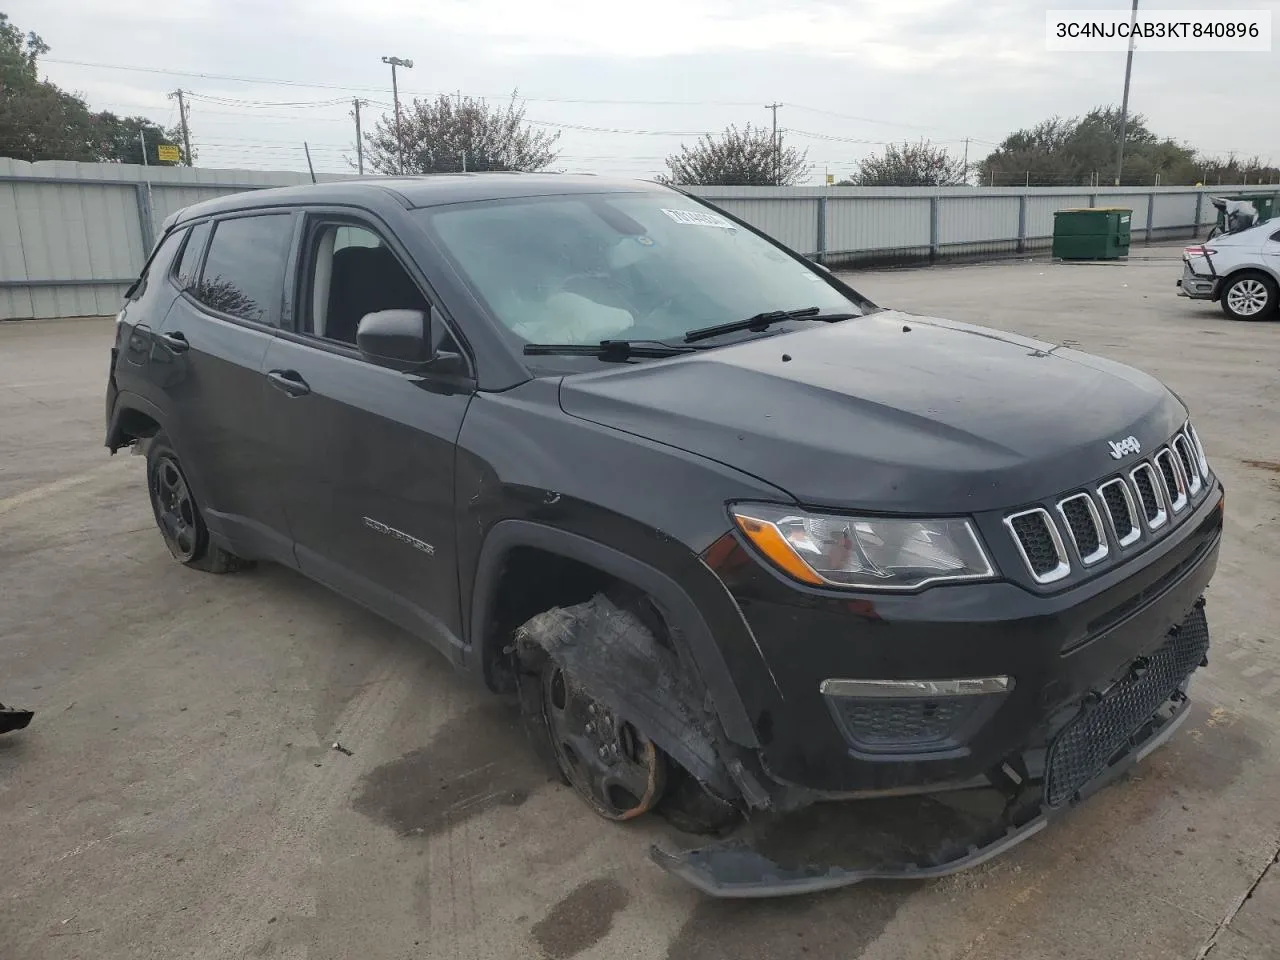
[(872, 553)]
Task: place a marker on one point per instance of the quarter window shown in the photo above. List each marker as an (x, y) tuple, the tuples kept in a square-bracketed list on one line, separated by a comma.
[(188, 268), (244, 270), (160, 259)]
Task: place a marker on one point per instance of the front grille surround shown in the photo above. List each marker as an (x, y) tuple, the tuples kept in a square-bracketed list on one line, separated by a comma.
[(1086, 531), (1140, 505), (1132, 530), (1040, 572), (1190, 470), (1201, 460), (1175, 487), (1151, 495)]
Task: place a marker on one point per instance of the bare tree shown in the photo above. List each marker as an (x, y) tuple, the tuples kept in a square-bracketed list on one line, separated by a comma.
[(747, 157), (449, 134), (910, 165)]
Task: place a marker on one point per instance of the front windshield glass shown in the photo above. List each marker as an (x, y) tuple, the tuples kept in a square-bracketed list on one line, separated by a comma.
[(579, 269)]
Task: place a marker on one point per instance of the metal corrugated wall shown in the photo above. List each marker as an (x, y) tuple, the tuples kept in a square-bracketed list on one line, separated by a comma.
[(73, 235), (789, 220)]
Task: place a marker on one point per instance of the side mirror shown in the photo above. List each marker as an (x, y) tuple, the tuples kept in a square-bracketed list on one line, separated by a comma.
[(400, 339)]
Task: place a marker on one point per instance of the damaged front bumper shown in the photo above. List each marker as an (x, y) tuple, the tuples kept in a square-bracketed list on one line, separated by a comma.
[(905, 838), (931, 835)]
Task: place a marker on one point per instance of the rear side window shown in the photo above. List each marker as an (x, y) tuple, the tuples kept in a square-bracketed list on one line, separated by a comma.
[(244, 270), (188, 267)]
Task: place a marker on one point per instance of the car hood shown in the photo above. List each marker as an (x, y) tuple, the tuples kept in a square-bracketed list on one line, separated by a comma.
[(890, 412)]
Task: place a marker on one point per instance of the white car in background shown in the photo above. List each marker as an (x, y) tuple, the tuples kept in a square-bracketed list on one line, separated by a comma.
[(1241, 270)]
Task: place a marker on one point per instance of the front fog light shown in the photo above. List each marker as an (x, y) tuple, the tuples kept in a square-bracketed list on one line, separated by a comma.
[(875, 553)]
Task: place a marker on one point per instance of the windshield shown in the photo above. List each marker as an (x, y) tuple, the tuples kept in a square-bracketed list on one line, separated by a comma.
[(584, 268)]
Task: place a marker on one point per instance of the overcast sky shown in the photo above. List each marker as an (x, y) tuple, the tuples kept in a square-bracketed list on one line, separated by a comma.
[(850, 74)]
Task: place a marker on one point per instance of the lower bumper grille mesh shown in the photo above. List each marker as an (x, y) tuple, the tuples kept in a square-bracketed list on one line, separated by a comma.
[(905, 724), (1085, 745)]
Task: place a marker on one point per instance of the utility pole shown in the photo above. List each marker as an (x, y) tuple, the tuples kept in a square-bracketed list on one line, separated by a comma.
[(1124, 103), (182, 117), (966, 161), (777, 147), (395, 96), (359, 141)]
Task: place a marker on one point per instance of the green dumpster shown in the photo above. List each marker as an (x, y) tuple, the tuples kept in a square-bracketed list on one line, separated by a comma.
[(1092, 233), (1264, 203)]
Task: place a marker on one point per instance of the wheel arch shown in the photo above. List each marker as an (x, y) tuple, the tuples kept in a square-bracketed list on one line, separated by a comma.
[(687, 626), (1247, 270), (133, 418)]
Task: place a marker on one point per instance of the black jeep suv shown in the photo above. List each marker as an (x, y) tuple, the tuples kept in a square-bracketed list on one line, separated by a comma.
[(738, 539)]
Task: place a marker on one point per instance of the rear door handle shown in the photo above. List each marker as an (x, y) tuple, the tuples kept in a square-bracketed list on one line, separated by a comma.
[(289, 381), (174, 341)]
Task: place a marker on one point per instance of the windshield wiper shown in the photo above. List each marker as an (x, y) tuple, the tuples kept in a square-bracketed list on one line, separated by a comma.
[(761, 321), (618, 350)]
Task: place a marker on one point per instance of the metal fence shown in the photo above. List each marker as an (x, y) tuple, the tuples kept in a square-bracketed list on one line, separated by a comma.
[(74, 235), (863, 225)]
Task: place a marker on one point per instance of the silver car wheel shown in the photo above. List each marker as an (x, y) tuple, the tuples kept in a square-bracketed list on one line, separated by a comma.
[(1247, 297)]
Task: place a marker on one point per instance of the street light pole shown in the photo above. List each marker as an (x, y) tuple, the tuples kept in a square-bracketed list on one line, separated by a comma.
[(395, 96), (1124, 104)]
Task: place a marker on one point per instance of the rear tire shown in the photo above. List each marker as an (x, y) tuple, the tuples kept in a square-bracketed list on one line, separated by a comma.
[(1250, 296), (178, 515)]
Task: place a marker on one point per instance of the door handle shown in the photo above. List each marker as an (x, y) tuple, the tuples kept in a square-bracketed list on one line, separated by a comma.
[(174, 341), (289, 381)]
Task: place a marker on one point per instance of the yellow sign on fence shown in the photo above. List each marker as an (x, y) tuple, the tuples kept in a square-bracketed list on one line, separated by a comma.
[(167, 153)]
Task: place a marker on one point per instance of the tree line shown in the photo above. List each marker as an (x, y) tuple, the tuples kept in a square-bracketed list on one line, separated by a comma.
[(1072, 151), (40, 121)]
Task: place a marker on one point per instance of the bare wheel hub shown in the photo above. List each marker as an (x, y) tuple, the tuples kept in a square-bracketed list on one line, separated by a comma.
[(617, 769)]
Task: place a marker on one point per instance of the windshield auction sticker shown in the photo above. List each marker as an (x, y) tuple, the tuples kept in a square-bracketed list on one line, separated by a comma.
[(698, 218), (1156, 31)]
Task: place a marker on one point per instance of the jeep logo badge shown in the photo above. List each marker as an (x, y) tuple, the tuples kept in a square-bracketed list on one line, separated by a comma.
[(1121, 448)]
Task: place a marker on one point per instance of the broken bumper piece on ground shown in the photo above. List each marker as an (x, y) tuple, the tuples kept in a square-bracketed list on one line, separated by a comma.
[(839, 844), (13, 719)]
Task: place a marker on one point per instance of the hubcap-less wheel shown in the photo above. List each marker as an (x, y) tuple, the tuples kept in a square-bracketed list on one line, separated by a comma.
[(1248, 297), (174, 508), (616, 768)]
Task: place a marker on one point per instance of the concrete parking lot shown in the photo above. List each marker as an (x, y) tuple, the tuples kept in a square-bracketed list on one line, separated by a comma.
[(177, 794)]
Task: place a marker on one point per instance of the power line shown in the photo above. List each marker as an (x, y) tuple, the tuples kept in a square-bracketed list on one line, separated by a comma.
[(891, 123), (647, 133), (269, 81)]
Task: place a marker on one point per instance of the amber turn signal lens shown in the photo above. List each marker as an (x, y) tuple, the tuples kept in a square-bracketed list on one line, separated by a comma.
[(769, 541)]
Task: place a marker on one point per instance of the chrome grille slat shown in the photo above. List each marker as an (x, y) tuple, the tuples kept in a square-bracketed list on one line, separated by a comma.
[(1085, 528), (1175, 487), (1201, 460), (1190, 469), (1030, 530), (1150, 495), (1130, 527)]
